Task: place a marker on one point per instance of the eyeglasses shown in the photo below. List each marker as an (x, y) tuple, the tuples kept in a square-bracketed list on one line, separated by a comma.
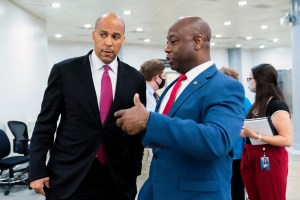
[(249, 79)]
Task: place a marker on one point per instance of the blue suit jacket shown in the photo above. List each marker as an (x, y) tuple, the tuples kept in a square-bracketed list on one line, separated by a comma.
[(192, 145)]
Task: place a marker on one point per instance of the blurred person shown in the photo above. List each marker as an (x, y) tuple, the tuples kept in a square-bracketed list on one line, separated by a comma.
[(191, 136), (90, 157), (237, 184), (270, 181), (153, 72)]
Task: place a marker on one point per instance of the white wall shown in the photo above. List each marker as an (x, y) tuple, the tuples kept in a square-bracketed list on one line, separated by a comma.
[(134, 55), (59, 50), (23, 62)]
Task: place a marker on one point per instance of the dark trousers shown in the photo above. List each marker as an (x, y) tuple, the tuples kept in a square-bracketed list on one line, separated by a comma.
[(97, 185), (237, 184)]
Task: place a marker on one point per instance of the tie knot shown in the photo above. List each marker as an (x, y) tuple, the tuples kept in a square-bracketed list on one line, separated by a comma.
[(182, 77), (106, 68)]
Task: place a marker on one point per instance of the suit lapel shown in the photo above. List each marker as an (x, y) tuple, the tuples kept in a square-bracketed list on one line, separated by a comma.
[(86, 79), (198, 82), (163, 95)]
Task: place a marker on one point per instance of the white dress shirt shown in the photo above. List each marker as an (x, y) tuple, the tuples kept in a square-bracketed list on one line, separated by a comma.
[(97, 71), (190, 76), (151, 101)]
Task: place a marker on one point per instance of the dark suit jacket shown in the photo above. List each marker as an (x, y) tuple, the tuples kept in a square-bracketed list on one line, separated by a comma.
[(191, 147), (71, 96)]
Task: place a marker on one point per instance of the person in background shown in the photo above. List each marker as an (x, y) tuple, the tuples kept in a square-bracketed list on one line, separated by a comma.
[(198, 118), (237, 184), (153, 72), (90, 157), (267, 182)]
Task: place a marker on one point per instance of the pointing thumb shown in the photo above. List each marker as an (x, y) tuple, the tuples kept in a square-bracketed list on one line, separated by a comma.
[(136, 99)]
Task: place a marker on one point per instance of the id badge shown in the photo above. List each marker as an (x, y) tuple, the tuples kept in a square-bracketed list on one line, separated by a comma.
[(265, 163)]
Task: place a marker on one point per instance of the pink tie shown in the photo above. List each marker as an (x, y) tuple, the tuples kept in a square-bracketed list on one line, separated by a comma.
[(173, 93), (105, 104)]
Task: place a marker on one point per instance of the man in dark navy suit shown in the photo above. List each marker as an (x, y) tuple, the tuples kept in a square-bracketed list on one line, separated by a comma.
[(74, 94)]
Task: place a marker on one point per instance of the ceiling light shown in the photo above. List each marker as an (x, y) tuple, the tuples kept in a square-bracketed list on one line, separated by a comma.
[(87, 25), (146, 40), (242, 3), (275, 40), (227, 23), (238, 45), (139, 29), (55, 5), (218, 35), (184, 17), (127, 12), (212, 44), (263, 27), (248, 38), (58, 35), (261, 46)]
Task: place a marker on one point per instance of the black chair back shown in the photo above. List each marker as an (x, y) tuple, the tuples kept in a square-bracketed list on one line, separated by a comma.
[(20, 132), (4, 144), (10, 174)]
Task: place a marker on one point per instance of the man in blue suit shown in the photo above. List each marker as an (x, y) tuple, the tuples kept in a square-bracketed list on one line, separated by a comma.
[(192, 142)]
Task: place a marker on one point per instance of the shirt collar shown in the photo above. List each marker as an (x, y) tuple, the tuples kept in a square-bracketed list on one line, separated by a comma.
[(198, 70), (97, 63), (149, 88)]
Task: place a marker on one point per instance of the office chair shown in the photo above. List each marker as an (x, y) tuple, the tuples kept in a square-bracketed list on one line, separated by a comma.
[(21, 141), (9, 174)]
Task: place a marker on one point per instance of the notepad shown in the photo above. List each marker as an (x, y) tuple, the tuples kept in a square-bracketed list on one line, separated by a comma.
[(261, 126)]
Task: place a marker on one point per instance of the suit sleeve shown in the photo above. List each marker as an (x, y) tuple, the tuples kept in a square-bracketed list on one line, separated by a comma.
[(204, 127), (45, 127)]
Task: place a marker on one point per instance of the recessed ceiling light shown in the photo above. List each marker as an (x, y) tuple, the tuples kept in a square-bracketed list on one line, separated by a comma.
[(238, 45), (184, 17), (261, 46), (146, 40), (55, 5), (227, 23), (127, 12), (218, 35), (139, 29), (58, 35), (275, 40), (263, 27), (87, 25), (242, 3), (248, 38)]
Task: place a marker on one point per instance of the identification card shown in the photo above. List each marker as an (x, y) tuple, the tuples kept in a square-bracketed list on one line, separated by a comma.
[(265, 163)]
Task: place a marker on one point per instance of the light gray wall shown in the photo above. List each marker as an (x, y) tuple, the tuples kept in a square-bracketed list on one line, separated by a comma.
[(23, 64)]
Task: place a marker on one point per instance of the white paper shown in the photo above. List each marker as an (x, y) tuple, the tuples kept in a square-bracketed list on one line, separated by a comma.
[(261, 126)]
